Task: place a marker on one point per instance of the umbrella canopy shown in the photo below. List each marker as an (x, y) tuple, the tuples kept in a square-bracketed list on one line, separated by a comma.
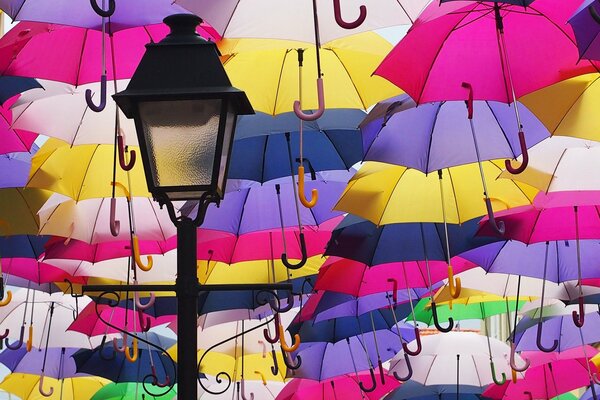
[(438, 135), (14, 169), (438, 363), (59, 364), (416, 391), (454, 43), (254, 366), (18, 210), (267, 70), (13, 140), (386, 194), (34, 271), (26, 386), (14, 85), (22, 246), (129, 391), (584, 22)]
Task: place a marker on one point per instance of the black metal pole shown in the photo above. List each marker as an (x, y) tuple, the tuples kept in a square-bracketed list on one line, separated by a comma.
[(187, 287)]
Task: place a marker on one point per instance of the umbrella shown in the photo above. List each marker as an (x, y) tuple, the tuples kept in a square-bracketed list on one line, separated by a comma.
[(471, 358), (585, 22), (341, 387), (14, 85), (18, 210), (34, 271), (416, 391), (60, 365), (26, 386), (14, 169), (22, 246), (438, 135), (129, 391), (250, 389), (385, 194), (13, 140)]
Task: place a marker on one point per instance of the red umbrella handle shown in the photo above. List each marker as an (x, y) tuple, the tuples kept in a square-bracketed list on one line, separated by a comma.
[(419, 346), (337, 12), (524, 153), (115, 225), (579, 317), (394, 289), (268, 337), (125, 166)]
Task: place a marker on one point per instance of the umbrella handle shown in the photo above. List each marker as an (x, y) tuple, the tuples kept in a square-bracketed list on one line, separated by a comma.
[(373, 382), (317, 114), (539, 340), (102, 356), (283, 343), (104, 13), (264, 348), (145, 323), (497, 381), (594, 13), (513, 364), (266, 334), (381, 372), (289, 364), (123, 188), (41, 387), (29, 344), (137, 257), (419, 346), (284, 258), (410, 370), (130, 355), (6, 299), (579, 317), (88, 94), (115, 225), (142, 306), (125, 166), (155, 381), (243, 386), (120, 349), (17, 345), (5, 334), (513, 375), (499, 226), (290, 303), (262, 377), (524, 153), (314, 193), (528, 394), (454, 284), (337, 12), (595, 378), (436, 321), (469, 100), (275, 366), (394, 283)]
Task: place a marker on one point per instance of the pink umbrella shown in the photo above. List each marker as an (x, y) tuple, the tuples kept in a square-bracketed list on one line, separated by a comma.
[(344, 387), (35, 271), (13, 140), (550, 375)]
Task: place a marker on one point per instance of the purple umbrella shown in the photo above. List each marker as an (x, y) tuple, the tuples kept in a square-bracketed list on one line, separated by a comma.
[(586, 25), (59, 364), (14, 169), (438, 135)]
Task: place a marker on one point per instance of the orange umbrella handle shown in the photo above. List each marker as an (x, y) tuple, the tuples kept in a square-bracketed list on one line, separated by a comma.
[(131, 353), (453, 283), (314, 192), (262, 377), (138, 258), (284, 345), (29, 343), (7, 299)]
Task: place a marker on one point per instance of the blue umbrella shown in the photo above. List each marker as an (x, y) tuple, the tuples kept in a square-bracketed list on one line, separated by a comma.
[(22, 246), (12, 85), (417, 391)]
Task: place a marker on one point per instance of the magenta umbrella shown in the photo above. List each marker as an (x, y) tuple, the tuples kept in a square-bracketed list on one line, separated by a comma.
[(13, 140)]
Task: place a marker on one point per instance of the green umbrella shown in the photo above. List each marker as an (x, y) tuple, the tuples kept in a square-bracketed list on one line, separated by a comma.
[(566, 396), (129, 391)]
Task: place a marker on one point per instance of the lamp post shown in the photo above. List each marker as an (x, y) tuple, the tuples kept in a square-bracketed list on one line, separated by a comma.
[(185, 111)]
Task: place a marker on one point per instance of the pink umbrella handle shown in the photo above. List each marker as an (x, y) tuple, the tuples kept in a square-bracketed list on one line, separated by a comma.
[(410, 370), (394, 283), (264, 348), (321, 97), (88, 93), (524, 153), (373, 383), (579, 317), (594, 13), (528, 394), (41, 387), (125, 166), (469, 100), (274, 339), (337, 12), (104, 13), (497, 381), (419, 346), (243, 386), (436, 320), (513, 364), (17, 345), (123, 346), (115, 225), (139, 304), (155, 381), (539, 340), (145, 323)]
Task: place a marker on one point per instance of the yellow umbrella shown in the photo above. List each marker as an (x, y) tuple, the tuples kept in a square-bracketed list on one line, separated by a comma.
[(473, 296), (570, 107), (18, 210), (387, 194), (26, 386), (267, 70), (81, 172)]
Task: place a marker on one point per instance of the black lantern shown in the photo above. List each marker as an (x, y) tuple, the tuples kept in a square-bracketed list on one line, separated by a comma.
[(185, 111)]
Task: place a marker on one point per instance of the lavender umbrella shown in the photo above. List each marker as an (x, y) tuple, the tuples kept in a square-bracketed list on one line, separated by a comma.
[(59, 364), (14, 169), (586, 25)]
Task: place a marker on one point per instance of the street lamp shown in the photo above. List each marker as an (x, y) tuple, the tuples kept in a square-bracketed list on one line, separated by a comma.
[(185, 111)]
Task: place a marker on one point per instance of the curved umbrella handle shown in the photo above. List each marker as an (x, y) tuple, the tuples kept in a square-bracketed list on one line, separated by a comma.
[(155, 381), (145, 323), (284, 258), (101, 348), (394, 283), (284, 345), (289, 364), (454, 284), (579, 317), (596, 378), (496, 380), (104, 13), (373, 383), (314, 193), (528, 394), (419, 347), (142, 306), (524, 153), (262, 377), (5, 334), (266, 334), (436, 321), (539, 340), (337, 12), (513, 364), (131, 353), (123, 188), (115, 225), (17, 345), (288, 306), (29, 344), (410, 370), (243, 386), (469, 100), (321, 97), (125, 166), (7, 299), (275, 366), (41, 387), (498, 227), (594, 13), (122, 348), (89, 94), (137, 257)]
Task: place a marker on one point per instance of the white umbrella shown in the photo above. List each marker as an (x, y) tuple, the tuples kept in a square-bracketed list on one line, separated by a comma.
[(260, 391)]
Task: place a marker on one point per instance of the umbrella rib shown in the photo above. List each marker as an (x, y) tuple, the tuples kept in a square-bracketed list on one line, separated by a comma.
[(405, 12), (349, 77), (454, 194), (387, 203), (162, 232), (573, 104), (555, 169), (429, 370), (492, 165), (337, 150), (487, 103), (96, 220), (41, 227), (279, 81), (33, 213), (86, 171), (264, 159), (83, 42), (242, 212), (230, 17)]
